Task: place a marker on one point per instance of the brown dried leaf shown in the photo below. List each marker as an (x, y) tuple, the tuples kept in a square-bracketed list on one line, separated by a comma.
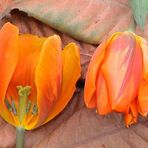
[(4, 6), (86, 20)]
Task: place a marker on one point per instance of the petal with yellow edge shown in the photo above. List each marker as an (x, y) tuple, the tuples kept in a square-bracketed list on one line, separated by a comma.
[(71, 73), (132, 115), (48, 77), (29, 52), (8, 61)]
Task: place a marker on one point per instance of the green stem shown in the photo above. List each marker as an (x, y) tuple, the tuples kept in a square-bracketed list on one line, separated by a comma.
[(20, 134)]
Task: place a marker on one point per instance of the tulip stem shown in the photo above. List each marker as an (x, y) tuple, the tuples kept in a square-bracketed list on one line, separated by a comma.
[(20, 134)]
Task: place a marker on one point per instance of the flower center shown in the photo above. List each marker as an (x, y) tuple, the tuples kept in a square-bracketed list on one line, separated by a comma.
[(24, 105)]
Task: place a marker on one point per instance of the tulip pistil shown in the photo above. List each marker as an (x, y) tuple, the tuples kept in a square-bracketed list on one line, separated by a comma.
[(24, 104), (23, 93)]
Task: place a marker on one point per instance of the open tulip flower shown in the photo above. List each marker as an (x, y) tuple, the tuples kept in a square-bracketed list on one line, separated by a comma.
[(117, 77), (37, 78)]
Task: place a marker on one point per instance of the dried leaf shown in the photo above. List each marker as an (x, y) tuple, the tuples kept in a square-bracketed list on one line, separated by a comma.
[(85, 20), (4, 6)]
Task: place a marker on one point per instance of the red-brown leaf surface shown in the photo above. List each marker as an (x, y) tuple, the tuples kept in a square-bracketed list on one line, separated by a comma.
[(86, 20), (76, 126), (4, 5)]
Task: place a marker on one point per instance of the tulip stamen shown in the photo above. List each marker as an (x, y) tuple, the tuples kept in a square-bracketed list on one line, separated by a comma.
[(14, 110), (35, 109), (11, 106), (28, 106), (23, 93), (8, 105)]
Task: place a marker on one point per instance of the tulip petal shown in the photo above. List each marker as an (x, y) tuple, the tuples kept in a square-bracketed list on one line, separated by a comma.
[(131, 117), (8, 61), (29, 51), (71, 73), (92, 72), (48, 77), (122, 70), (144, 47), (143, 98), (103, 104)]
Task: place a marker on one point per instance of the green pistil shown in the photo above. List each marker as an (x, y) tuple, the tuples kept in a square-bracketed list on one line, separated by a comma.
[(23, 93)]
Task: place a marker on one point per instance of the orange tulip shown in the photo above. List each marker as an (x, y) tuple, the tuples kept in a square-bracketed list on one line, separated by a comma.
[(117, 77), (37, 78)]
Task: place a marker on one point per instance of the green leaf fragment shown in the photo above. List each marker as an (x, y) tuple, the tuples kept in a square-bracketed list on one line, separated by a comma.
[(140, 11)]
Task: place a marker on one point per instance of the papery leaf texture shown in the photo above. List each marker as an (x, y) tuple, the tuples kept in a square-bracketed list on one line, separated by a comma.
[(86, 20)]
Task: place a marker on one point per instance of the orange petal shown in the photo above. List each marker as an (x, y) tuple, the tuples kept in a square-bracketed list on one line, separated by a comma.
[(71, 73), (92, 72), (48, 77), (122, 70), (131, 117), (103, 104), (8, 61), (29, 51), (144, 47), (143, 98)]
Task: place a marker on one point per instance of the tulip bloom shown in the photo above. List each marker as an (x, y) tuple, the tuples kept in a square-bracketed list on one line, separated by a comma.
[(117, 77), (37, 78)]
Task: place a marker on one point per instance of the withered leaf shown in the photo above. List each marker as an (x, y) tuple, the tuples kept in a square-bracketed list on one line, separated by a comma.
[(86, 20)]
